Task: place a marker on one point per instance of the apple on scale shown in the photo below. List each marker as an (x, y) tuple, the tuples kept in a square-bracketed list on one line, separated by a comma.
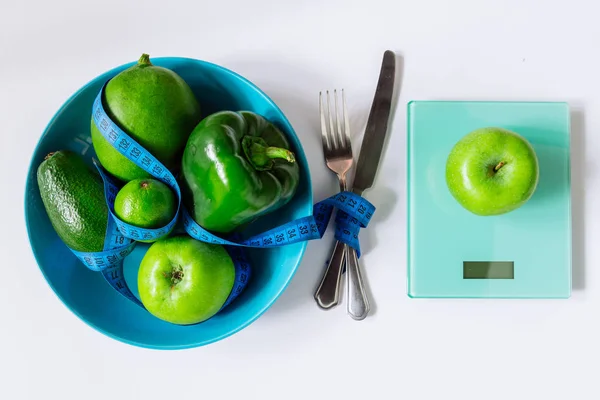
[(488, 200), (492, 171)]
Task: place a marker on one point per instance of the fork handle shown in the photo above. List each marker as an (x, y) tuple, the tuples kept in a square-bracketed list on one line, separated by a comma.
[(358, 304), (328, 293)]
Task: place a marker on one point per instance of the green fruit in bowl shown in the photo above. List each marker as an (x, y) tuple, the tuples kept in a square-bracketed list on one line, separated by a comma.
[(146, 203), (184, 281), (236, 167), (154, 106), (73, 195), (492, 171)]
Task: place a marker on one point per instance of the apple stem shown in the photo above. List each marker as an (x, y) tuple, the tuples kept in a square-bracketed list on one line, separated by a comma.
[(175, 276), (500, 165)]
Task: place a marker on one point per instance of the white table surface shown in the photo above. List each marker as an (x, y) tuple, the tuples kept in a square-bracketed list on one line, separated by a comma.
[(410, 349)]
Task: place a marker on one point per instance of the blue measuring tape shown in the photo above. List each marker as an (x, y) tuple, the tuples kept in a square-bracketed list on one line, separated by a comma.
[(354, 213)]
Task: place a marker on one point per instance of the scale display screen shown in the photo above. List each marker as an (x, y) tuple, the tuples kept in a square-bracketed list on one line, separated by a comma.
[(488, 270)]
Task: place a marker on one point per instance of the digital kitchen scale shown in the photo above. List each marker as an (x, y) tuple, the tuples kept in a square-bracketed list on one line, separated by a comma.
[(453, 253)]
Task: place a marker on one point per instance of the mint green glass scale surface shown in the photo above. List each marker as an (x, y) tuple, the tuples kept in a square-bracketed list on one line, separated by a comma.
[(522, 254)]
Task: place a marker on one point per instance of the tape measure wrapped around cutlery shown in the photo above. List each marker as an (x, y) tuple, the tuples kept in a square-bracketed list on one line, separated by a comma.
[(354, 213)]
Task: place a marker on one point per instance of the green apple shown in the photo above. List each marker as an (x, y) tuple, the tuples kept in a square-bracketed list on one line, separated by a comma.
[(184, 281), (492, 171)]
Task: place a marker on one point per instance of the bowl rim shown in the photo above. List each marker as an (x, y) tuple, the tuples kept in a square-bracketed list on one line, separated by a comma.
[(32, 164)]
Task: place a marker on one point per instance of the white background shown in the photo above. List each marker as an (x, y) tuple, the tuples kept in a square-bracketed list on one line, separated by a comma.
[(409, 349)]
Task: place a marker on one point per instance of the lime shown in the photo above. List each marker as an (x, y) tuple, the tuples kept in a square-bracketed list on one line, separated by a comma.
[(146, 203)]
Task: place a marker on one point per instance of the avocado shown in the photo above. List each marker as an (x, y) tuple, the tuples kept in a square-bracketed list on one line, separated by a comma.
[(154, 106), (73, 196)]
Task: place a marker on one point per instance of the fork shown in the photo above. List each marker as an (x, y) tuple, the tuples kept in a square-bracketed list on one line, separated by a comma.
[(337, 150)]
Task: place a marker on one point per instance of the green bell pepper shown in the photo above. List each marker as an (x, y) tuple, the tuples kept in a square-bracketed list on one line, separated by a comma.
[(236, 167)]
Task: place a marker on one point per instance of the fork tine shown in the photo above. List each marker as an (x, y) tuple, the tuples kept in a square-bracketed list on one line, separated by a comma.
[(331, 132), (348, 143), (323, 124), (338, 123)]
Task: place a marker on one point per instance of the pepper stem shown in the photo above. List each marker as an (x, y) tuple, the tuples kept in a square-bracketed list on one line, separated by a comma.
[(261, 155), (144, 60), (278, 152)]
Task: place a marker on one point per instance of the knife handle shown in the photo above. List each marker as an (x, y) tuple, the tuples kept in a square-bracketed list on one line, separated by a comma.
[(358, 304), (328, 293)]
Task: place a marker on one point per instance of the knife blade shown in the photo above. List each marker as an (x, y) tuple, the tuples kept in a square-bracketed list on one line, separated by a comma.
[(366, 169), (376, 130)]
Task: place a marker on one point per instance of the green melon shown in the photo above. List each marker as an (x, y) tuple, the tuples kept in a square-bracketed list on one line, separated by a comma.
[(153, 105)]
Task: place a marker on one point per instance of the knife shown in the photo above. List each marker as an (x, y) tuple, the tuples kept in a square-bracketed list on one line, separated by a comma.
[(366, 169)]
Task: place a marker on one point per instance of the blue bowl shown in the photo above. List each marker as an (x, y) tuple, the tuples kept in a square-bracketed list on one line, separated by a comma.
[(88, 295)]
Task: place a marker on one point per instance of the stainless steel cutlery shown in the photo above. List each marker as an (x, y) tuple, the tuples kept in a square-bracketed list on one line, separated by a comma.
[(337, 150)]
